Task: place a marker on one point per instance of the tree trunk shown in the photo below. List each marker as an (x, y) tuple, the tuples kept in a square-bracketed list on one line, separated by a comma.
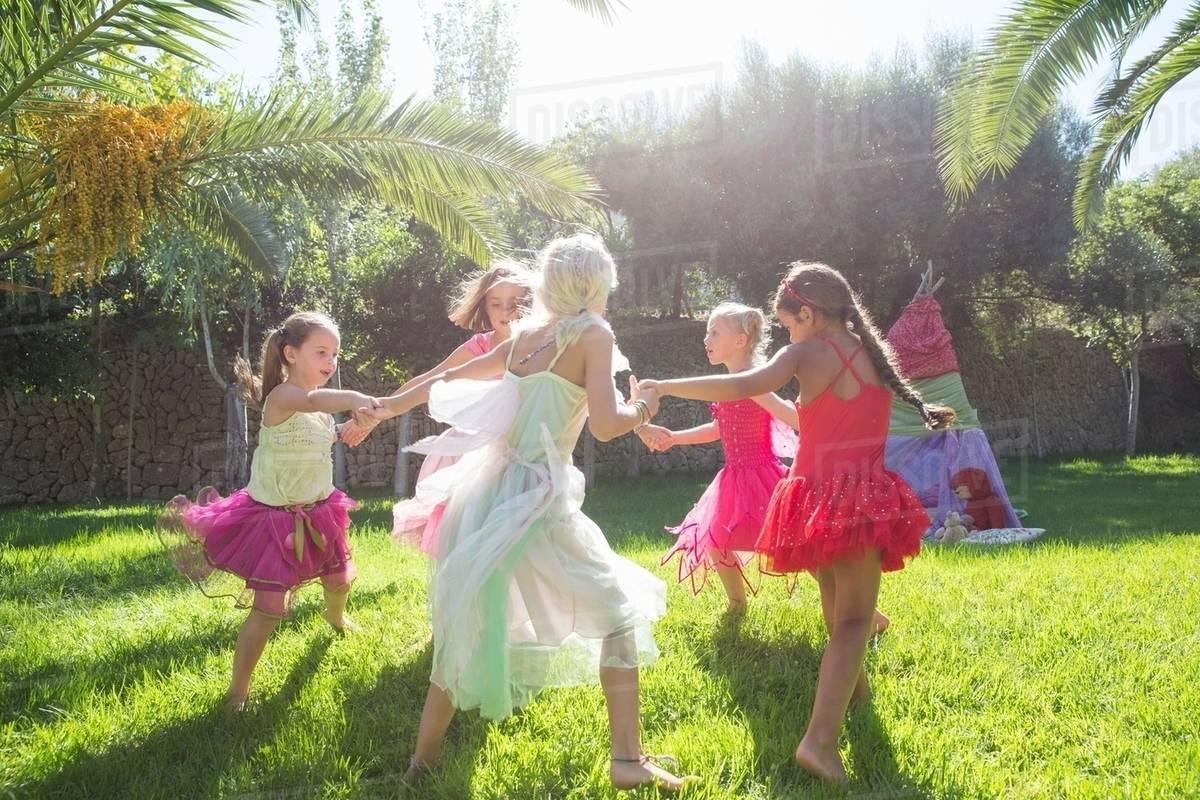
[(133, 373), (1135, 391), (589, 459), (208, 348), (335, 220), (400, 478), (236, 471), (99, 434), (677, 294), (339, 449), (236, 468)]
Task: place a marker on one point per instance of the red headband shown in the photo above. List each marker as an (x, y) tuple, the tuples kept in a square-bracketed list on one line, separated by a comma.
[(787, 287)]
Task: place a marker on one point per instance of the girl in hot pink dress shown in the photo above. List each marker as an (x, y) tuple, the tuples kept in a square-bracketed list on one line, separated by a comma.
[(720, 531), (486, 302)]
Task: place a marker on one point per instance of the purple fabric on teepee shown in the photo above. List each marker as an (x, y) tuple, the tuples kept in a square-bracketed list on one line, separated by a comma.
[(928, 462)]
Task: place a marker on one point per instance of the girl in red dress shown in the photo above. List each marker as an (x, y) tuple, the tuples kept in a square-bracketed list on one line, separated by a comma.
[(839, 514)]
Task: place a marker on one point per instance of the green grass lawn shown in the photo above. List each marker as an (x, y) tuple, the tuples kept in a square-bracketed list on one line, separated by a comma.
[(1067, 667)]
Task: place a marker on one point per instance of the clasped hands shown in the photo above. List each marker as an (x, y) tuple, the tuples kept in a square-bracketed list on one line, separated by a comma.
[(656, 438), (363, 420)]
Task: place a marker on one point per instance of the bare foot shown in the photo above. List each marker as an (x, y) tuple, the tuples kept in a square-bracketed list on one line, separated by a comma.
[(417, 770), (826, 766), (881, 622), (343, 625), (737, 607), (632, 773), (235, 703)]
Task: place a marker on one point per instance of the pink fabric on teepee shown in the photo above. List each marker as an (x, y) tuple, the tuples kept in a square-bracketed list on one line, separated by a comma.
[(921, 341)]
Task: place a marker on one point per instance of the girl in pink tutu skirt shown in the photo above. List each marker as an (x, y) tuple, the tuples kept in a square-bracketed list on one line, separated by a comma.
[(486, 303), (720, 531), (288, 526)]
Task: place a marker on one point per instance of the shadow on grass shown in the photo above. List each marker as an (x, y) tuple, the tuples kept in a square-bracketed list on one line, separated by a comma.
[(61, 578), (55, 525), (62, 681), (381, 724), (186, 758), (760, 675)]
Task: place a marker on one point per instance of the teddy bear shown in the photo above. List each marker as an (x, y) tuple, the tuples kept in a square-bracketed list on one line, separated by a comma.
[(956, 528), (983, 506)]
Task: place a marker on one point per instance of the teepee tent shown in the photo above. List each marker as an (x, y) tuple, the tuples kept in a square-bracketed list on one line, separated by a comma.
[(952, 469)]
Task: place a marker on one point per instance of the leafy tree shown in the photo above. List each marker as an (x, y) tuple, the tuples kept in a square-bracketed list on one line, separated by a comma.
[(1040, 47)]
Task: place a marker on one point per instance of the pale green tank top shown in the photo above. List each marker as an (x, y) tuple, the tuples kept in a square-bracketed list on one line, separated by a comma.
[(293, 463)]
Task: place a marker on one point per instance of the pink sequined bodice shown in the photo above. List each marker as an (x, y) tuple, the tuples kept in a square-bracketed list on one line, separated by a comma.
[(745, 433)]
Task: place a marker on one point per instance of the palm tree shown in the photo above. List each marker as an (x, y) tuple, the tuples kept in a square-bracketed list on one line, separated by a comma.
[(58, 58), (1038, 49)]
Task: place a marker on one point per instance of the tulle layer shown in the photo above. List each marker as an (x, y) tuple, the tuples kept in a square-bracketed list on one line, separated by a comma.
[(269, 548), (415, 520), (526, 592), (810, 525), (723, 527)]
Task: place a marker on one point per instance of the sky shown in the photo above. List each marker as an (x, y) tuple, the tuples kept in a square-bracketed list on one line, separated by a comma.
[(569, 63)]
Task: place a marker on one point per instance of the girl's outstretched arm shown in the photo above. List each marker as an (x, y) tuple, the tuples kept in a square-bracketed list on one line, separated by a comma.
[(484, 367), (461, 355), (701, 434), (771, 376), (609, 416), (287, 399), (780, 409)]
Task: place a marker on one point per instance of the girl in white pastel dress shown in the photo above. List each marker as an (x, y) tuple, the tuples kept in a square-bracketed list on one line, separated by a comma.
[(526, 592)]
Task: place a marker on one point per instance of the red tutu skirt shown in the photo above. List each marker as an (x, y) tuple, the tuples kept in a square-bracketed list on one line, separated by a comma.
[(810, 525), (269, 548)]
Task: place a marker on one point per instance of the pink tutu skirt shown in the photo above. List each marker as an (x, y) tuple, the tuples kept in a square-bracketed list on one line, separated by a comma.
[(723, 526), (414, 521), (270, 548)]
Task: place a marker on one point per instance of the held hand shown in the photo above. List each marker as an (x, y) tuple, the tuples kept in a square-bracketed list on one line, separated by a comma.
[(657, 438), (639, 391), (658, 387), (352, 433), (370, 416)]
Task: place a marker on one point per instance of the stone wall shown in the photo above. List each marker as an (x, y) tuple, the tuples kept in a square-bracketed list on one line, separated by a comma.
[(1050, 395)]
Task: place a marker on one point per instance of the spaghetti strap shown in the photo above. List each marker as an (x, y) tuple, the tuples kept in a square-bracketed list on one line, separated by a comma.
[(554, 360), (847, 361), (512, 349)]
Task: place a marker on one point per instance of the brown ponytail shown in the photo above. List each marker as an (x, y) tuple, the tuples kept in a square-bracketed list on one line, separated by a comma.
[(826, 292), (272, 364)]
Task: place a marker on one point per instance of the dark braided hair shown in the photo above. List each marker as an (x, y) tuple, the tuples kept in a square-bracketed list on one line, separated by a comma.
[(825, 292)]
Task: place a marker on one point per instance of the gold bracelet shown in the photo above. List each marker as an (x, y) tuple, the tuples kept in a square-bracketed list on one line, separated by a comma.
[(643, 414)]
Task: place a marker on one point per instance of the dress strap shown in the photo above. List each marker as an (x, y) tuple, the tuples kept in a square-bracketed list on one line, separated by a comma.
[(847, 361), (557, 356), (512, 348)]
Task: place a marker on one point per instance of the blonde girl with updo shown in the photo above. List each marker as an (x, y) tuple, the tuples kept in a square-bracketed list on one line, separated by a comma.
[(526, 592)]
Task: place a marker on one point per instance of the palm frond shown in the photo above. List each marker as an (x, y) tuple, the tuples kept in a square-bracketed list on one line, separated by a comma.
[(1118, 133), (604, 10), (1131, 34), (1115, 94), (48, 45), (440, 158), (1037, 50), (238, 227)]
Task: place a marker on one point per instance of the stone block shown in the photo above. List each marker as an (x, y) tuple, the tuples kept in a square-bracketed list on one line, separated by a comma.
[(160, 474)]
